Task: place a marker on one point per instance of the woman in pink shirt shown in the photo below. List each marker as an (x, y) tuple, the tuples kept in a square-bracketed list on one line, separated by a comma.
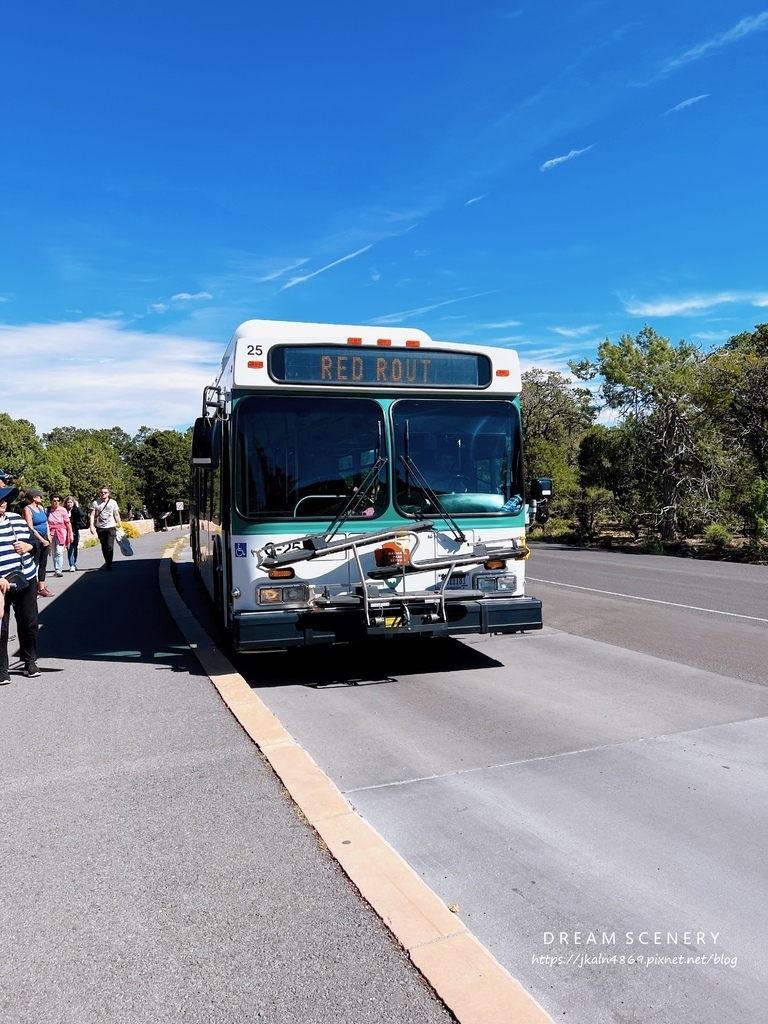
[(60, 530)]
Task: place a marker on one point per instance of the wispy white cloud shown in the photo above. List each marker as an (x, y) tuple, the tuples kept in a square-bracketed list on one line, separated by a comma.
[(186, 297), (299, 280), (507, 339), (575, 332), (746, 27), (477, 199), (555, 356), (713, 336), (391, 319), (687, 103), (273, 275), (549, 164), (503, 324), (100, 373), (692, 304)]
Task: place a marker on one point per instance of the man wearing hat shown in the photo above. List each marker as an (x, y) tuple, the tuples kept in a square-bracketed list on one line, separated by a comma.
[(18, 586)]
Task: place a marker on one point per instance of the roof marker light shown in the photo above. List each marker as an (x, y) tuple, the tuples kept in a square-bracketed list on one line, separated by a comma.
[(502, 373), (383, 341), (354, 341), (255, 364), (413, 343)]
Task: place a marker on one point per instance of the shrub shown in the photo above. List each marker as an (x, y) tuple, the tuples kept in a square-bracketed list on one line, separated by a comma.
[(653, 545), (593, 509), (553, 529), (718, 536), (758, 509)]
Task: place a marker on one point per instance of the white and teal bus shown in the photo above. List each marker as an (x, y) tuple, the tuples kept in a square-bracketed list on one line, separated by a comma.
[(352, 482)]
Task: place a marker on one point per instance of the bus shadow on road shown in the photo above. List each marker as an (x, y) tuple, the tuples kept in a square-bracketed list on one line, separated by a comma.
[(362, 664), (113, 617), (356, 664)]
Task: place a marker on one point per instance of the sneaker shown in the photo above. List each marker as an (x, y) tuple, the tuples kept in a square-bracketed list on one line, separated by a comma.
[(45, 592), (31, 671), (59, 573), (4, 680), (73, 568)]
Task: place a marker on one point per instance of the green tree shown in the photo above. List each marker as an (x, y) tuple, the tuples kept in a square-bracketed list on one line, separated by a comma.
[(88, 463), (60, 437), (656, 388), (121, 443), (50, 476), (757, 510), (555, 416), (161, 464), (20, 449), (736, 377), (609, 459)]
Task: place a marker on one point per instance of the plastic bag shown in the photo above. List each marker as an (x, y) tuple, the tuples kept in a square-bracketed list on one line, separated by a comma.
[(124, 543)]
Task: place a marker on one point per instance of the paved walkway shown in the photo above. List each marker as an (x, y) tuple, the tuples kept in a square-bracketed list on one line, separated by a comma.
[(153, 867)]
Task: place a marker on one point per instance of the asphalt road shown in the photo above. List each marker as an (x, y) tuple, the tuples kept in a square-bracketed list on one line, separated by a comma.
[(711, 615), (584, 794), (593, 789), (153, 869)]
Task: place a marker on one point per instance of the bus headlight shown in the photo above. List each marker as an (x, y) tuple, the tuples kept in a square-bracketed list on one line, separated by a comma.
[(296, 593), (493, 584)]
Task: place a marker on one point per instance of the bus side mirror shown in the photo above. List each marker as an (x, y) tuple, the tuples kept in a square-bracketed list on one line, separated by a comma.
[(541, 492), (205, 448)]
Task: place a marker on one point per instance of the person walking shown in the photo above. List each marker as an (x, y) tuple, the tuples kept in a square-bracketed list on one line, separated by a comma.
[(77, 521), (105, 519), (61, 532), (17, 562), (37, 521)]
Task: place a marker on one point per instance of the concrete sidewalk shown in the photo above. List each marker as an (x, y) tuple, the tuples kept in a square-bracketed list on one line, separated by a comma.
[(154, 868)]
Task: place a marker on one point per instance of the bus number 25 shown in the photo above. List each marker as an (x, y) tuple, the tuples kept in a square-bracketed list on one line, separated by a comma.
[(254, 350)]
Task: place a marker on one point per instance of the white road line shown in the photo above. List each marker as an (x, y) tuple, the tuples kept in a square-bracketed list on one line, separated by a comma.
[(650, 600), (628, 742)]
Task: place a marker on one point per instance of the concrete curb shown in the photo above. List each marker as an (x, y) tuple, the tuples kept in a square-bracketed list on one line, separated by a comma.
[(465, 976)]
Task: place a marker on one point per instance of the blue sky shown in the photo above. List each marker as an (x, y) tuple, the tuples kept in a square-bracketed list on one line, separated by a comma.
[(535, 175)]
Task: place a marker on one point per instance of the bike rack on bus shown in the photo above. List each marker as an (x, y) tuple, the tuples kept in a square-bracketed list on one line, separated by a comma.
[(316, 546)]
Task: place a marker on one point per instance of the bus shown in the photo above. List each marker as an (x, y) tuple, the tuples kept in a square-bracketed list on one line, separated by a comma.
[(356, 482)]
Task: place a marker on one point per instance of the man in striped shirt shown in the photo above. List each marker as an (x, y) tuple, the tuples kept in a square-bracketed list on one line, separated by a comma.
[(16, 560)]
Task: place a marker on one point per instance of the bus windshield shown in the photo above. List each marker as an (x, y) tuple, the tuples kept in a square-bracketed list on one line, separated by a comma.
[(308, 457), (468, 453)]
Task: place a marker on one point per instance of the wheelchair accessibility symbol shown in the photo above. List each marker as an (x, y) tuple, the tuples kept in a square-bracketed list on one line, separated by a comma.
[(241, 550)]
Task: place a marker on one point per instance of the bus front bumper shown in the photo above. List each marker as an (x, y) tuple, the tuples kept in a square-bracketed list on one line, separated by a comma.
[(274, 629)]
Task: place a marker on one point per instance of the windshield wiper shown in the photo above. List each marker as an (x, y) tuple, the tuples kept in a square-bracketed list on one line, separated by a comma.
[(356, 498), (412, 470), (379, 461)]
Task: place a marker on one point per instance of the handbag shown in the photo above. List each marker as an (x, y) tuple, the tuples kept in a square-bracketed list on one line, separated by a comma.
[(17, 580)]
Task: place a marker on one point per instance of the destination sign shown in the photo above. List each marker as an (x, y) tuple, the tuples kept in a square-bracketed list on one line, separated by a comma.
[(338, 365)]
